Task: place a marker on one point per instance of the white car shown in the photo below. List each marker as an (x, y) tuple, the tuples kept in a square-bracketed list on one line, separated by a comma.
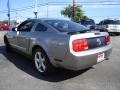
[(112, 26)]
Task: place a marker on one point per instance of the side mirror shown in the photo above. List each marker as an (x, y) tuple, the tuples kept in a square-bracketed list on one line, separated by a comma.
[(14, 29)]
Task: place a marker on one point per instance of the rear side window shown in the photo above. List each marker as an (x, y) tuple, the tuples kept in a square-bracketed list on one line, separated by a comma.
[(111, 22), (40, 27)]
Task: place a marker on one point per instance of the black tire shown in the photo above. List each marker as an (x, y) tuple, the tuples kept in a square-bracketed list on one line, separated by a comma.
[(48, 66), (7, 45), (117, 33)]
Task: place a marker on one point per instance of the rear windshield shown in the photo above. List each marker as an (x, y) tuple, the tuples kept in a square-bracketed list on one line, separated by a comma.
[(87, 22), (65, 25), (112, 22)]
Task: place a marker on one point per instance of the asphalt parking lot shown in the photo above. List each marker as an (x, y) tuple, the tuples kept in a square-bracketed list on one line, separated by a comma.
[(18, 73)]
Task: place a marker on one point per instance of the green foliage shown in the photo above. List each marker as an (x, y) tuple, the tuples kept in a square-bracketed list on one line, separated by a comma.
[(78, 12)]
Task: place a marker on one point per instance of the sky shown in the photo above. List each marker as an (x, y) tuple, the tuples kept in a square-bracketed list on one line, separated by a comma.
[(96, 12)]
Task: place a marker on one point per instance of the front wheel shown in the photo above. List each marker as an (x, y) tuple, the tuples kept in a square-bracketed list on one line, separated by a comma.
[(7, 45), (118, 33), (41, 62)]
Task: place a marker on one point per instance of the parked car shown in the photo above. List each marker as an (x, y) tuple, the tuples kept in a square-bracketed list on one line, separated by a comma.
[(4, 27), (58, 43), (112, 26), (89, 23)]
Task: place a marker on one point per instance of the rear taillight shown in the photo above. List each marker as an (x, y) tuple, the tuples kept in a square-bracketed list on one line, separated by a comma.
[(80, 45), (107, 40)]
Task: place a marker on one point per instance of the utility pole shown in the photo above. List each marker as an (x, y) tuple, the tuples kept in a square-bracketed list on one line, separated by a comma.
[(8, 6), (36, 9), (16, 16), (47, 9), (73, 9)]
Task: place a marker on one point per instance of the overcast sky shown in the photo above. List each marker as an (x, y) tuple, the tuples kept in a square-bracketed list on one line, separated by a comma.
[(96, 12)]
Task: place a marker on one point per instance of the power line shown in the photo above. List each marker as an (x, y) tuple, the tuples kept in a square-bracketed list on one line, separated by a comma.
[(65, 3), (22, 9), (90, 2)]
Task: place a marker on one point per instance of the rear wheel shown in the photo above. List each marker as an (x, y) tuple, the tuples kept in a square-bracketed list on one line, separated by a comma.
[(118, 33), (41, 62)]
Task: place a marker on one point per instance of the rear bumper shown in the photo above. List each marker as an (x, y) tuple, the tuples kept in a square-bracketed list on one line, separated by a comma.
[(86, 58)]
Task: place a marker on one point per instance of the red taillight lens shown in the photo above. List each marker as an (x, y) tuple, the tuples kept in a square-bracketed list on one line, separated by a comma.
[(107, 40), (80, 45)]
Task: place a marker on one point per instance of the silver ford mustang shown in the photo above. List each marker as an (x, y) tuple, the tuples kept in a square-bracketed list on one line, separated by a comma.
[(58, 43)]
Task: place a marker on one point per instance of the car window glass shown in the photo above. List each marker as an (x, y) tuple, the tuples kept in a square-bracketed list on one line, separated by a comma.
[(101, 23), (109, 22), (65, 25), (106, 22), (26, 26), (87, 22), (40, 27), (114, 22)]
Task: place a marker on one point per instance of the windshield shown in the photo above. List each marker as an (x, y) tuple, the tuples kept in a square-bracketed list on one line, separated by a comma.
[(65, 26), (87, 22)]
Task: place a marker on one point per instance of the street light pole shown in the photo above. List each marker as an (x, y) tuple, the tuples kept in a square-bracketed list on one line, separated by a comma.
[(36, 9), (73, 9), (47, 10), (36, 14), (8, 5)]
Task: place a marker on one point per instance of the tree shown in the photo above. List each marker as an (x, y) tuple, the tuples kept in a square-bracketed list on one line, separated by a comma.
[(78, 12)]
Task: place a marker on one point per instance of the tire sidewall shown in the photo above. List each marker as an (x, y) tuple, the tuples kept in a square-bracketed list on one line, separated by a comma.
[(46, 62), (7, 45)]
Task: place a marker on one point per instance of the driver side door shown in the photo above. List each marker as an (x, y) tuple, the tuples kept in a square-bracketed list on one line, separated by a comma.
[(23, 37)]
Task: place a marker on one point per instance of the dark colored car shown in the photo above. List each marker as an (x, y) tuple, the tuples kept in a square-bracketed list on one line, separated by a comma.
[(89, 23)]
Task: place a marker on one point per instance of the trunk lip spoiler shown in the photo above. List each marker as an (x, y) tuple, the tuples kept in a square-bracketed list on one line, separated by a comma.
[(96, 31)]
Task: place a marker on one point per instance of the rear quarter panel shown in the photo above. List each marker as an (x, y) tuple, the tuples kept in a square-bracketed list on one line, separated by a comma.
[(54, 44)]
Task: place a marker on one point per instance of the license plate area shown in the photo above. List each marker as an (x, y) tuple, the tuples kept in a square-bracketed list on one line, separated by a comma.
[(100, 57)]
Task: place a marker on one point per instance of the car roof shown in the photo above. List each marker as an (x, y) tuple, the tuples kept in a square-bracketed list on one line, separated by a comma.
[(43, 19), (111, 19)]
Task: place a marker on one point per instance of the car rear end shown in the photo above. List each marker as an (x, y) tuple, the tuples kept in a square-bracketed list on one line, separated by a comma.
[(86, 50), (78, 47)]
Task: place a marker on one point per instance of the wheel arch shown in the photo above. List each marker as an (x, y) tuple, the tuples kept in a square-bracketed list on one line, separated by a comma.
[(6, 39), (36, 47), (51, 59)]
